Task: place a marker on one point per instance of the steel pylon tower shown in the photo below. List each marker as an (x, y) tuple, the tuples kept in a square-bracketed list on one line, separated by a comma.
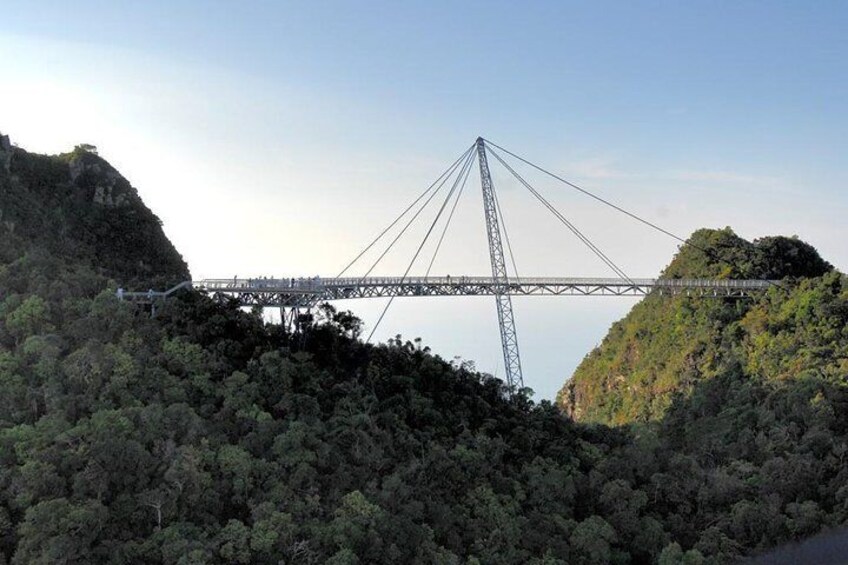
[(506, 319)]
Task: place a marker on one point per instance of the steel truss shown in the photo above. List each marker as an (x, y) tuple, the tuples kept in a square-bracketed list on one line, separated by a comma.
[(306, 293)]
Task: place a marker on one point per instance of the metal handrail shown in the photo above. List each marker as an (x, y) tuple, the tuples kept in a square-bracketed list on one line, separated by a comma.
[(317, 289), (313, 284)]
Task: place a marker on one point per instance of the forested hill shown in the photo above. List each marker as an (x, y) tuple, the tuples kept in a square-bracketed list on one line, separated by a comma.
[(204, 435), (77, 206), (667, 346)]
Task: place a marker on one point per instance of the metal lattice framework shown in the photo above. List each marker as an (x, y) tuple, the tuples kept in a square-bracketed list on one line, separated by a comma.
[(307, 293), (506, 316)]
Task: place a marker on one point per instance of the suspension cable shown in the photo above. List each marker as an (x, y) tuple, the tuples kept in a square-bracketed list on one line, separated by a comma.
[(466, 155), (586, 241), (450, 217), (587, 193), (506, 234), (420, 247), (402, 214), (710, 253)]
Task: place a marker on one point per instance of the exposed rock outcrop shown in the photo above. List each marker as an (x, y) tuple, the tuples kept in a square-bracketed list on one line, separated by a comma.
[(108, 187)]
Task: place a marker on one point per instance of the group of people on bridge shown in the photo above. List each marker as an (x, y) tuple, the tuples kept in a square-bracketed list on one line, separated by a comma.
[(270, 282)]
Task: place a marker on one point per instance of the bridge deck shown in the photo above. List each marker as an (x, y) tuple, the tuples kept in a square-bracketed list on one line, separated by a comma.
[(305, 292)]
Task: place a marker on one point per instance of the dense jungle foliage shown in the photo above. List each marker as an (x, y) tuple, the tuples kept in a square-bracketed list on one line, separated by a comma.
[(665, 346), (205, 435)]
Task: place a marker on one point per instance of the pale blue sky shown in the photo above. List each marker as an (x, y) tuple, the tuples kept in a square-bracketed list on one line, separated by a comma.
[(275, 137)]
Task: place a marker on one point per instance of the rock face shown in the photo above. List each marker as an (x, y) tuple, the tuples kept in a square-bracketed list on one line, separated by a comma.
[(110, 188)]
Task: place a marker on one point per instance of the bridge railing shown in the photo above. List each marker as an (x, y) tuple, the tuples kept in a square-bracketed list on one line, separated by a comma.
[(312, 290), (316, 284)]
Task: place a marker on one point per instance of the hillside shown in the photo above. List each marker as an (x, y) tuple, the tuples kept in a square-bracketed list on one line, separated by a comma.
[(205, 435), (77, 206), (666, 346)]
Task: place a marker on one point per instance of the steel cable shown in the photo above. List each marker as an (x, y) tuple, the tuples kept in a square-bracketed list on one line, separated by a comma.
[(402, 214), (506, 234), (420, 247), (664, 231), (450, 217), (586, 241), (467, 154)]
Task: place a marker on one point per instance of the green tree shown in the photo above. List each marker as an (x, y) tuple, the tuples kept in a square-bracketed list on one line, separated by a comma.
[(59, 531), (30, 318), (592, 541)]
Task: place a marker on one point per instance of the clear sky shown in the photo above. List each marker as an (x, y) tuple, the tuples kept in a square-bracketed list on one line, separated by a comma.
[(277, 138)]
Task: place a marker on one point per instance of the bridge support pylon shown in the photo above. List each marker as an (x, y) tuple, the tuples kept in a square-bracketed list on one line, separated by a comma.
[(506, 318)]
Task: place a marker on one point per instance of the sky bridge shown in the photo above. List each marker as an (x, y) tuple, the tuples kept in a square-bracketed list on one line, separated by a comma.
[(298, 293)]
